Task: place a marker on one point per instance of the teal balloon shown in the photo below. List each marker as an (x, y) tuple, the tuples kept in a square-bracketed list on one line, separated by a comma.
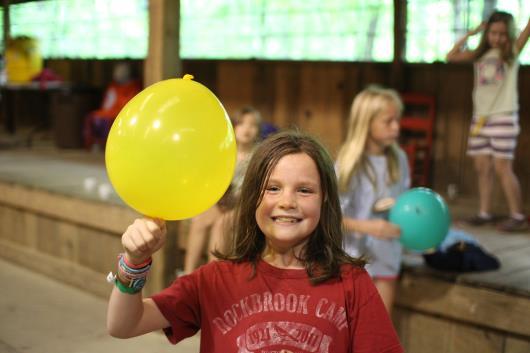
[(423, 217)]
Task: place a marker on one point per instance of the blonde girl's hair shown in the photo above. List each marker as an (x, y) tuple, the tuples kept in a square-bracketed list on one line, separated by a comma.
[(351, 159), (507, 53)]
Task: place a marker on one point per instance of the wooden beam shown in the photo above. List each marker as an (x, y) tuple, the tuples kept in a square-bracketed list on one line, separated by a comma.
[(7, 24), (163, 58), (400, 27), (98, 215), (474, 305)]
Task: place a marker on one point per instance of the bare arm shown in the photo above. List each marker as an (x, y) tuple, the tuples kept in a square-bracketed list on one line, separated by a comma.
[(457, 54), (523, 37), (378, 228), (130, 315)]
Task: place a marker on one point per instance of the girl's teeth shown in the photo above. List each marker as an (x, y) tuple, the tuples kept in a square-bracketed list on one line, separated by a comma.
[(284, 219)]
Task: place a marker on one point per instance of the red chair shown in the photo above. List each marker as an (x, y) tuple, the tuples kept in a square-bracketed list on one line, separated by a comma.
[(417, 135)]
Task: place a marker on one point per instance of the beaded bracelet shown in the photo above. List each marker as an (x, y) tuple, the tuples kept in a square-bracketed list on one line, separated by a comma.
[(131, 278), (129, 273)]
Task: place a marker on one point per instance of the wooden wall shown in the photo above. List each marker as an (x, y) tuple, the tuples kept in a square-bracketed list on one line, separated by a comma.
[(439, 316), (72, 240), (316, 96)]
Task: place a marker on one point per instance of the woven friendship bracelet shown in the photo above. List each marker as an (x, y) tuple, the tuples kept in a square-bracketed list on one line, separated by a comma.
[(124, 289), (129, 273), (131, 278), (133, 266)]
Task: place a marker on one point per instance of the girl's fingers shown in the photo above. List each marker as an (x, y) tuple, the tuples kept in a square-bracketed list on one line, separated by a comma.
[(150, 232), (144, 237), (137, 240), (160, 222), (153, 233)]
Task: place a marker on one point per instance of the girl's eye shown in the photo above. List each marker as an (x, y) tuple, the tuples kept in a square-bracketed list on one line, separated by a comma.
[(306, 190), (272, 188)]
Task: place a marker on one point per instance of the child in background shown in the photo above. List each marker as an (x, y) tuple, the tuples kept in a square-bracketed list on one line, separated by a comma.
[(217, 219), (285, 284), (372, 168), (120, 91), (495, 125)]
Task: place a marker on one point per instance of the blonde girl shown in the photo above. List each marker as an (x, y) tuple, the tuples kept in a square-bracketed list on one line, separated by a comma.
[(372, 168)]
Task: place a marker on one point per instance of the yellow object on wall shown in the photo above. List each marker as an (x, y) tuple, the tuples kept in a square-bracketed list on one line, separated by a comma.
[(23, 59)]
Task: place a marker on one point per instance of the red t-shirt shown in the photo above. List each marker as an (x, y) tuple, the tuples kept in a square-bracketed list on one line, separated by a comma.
[(276, 310)]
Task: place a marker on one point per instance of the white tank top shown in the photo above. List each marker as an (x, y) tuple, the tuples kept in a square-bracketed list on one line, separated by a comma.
[(495, 89)]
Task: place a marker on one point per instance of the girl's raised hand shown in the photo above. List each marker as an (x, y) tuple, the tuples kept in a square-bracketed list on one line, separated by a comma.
[(143, 238), (479, 29)]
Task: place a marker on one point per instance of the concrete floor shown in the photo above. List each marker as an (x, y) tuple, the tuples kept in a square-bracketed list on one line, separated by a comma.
[(40, 315)]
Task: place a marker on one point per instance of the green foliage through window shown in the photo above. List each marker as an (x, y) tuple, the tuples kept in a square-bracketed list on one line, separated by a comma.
[(433, 26), (331, 30), (98, 29), (341, 30)]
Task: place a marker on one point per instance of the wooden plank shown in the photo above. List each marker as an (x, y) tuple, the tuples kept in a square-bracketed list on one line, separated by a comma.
[(264, 82), (468, 304), (516, 282), (286, 98), (425, 333), (507, 278), (59, 269), (95, 261), (465, 338), (320, 112), (55, 242), (236, 85), (516, 345), (420, 333), (99, 215)]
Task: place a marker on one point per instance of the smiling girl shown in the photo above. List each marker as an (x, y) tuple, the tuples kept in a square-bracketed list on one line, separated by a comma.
[(285, 285)]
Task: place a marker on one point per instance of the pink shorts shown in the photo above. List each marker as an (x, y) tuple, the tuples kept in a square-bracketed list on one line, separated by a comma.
[(494, 135)]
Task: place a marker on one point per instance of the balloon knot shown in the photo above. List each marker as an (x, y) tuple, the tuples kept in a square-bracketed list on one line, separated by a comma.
[(188, 77)]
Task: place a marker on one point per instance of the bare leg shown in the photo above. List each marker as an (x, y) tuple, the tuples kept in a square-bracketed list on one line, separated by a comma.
[(484, 168), (220, 236), (197, 237), (387, 291), (510, 184)]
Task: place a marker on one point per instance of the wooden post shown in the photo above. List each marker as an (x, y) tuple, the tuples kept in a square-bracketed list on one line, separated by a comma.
[(163, 59), (7, 24), (400, 26)]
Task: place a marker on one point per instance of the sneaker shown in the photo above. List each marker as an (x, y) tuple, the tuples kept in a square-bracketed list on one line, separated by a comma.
[(478, 220), (514, 225)]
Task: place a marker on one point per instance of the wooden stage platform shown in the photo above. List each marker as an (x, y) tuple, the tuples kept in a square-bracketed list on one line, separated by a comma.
[(60, 217)]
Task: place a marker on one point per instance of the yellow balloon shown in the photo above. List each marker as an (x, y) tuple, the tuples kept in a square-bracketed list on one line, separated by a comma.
[(171, 151)]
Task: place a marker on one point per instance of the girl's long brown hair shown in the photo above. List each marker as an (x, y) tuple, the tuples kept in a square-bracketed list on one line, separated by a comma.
[(323, 254), (507, 53)]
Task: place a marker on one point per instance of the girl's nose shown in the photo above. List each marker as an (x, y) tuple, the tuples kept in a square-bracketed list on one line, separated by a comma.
[(287, 200), (395, 126)]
